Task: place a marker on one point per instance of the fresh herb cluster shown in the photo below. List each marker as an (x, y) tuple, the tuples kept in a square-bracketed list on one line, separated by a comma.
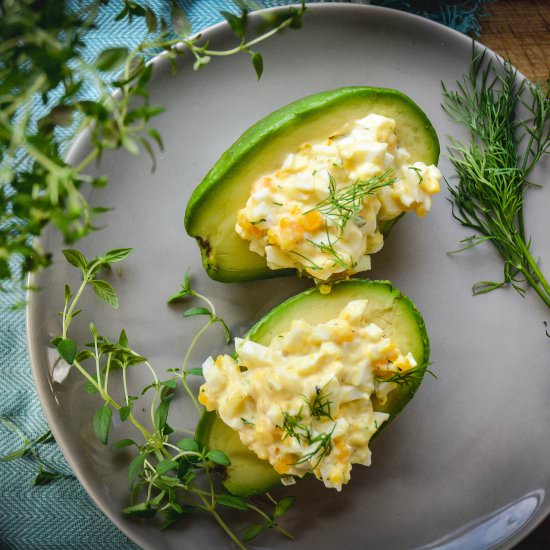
[(42, 61), (340, 206), (493, 169), (169, 476), (320, 444)]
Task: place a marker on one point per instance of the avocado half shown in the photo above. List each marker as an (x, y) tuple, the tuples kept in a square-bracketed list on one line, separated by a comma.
[(387, 307), (212, 209)]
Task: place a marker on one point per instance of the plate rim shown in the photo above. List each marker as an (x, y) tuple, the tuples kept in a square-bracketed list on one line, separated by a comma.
[(44, 390)]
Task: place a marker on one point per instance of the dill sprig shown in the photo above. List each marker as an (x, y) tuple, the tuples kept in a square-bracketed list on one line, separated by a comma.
[(322, 448), (294, 427), (329, 249), (320, 405), (405, 378), (493, 168), (343, 204)]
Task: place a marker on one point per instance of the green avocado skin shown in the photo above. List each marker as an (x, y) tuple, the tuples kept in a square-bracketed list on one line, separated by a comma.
[(388, 307), (213, 206)]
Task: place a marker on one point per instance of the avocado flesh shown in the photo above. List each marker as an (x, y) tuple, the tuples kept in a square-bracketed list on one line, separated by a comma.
[(212, 209), (387, 307)]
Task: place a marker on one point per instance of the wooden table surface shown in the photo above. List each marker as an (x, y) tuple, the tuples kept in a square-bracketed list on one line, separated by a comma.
[(519, 30)]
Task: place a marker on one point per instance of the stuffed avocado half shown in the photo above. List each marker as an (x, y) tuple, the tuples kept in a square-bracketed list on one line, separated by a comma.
[(393, 314), (318, 142)]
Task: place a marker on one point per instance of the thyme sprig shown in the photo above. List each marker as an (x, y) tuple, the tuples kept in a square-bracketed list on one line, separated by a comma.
[(42, 61), (493, 168), (169, 476)]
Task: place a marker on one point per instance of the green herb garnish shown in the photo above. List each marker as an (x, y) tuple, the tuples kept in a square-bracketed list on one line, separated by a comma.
[(170, 476), (493, 168), (345, 203), (42, 60)]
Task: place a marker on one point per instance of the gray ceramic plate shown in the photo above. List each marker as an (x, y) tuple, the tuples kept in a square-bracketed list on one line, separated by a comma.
[(466, 465)]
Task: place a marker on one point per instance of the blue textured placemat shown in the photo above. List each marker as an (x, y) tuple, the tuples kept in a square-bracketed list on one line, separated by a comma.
[(61, 515)]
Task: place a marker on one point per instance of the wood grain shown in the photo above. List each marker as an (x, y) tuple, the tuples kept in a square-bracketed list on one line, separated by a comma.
[(520, 31)]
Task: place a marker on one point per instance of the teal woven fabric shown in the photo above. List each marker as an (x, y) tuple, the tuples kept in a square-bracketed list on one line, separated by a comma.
[(60, 515)]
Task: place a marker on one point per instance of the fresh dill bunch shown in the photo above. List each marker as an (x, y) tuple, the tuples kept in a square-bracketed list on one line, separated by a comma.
[(345, 203), (493, 168)]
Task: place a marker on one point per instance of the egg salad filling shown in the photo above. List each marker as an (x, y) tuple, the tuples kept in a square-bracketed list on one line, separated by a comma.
[(321, 211), (305, 402)]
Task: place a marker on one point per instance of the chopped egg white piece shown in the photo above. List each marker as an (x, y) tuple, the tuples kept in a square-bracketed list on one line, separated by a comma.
[(288, 219), (305, 402)]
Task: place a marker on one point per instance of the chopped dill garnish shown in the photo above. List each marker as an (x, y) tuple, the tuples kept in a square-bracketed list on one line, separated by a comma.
[(320, 405), (312, 264), (247, 422), (323, 448), (294, 427), (346, 203), (258, 221), (328, 248), (406, 378), (418, 173)]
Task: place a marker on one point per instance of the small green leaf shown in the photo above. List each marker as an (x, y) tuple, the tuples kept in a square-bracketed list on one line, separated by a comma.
[(106, 292), (179, 295), (257, 63), (253, 531), (165, 466), (43, 477), (102, 423), (156, 136), (180, 24), (188, 445), (283, 506), (161, 414), (135, 467), (150, 20), (226, 330), (75, 258), (142, 510), (196, 311), (123, 339), (196, 371), (83, 355), (124, 412), (124, 443), (67, 348), (14, 455), (172, 515), (89, 387), (232, 501), (218, 457), (237, 23), (110, 59), (117, 255)]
